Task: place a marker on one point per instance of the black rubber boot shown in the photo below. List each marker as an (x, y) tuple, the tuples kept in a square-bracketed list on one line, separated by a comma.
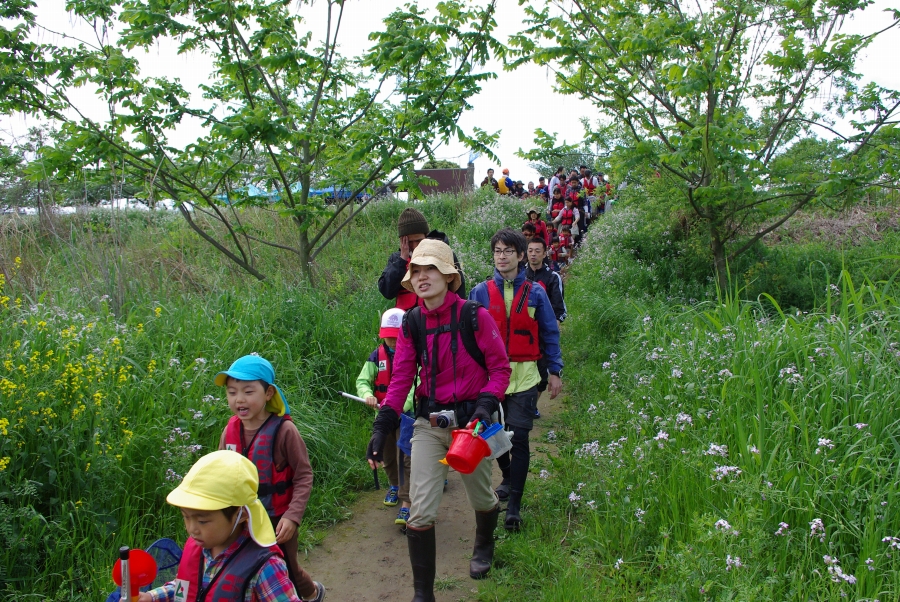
[(483, 554), (422, 558), (513, 519)]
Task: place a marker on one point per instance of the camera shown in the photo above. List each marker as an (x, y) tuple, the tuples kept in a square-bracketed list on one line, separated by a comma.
[(443, 419)]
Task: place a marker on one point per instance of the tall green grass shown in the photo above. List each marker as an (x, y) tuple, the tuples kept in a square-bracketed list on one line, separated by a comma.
[(717, 451), (112, 326)]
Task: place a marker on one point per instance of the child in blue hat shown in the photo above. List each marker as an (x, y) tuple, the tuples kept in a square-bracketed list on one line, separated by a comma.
[(261, 429)]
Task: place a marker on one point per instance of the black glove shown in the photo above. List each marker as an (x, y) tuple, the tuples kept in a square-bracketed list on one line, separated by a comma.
[(484, 408), (386, 423)]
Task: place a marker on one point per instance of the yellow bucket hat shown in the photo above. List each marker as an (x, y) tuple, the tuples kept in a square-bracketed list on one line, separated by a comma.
[(436, 253), (220, 480)]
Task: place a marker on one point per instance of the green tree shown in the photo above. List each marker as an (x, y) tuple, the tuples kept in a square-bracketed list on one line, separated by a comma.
[(279, 110), (550, 152), (439, 164), (749, 109)]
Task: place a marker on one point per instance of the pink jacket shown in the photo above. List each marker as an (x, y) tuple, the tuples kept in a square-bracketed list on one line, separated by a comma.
[(470, 379)]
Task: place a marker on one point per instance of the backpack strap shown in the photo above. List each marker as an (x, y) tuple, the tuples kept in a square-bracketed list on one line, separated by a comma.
[(468, 326)]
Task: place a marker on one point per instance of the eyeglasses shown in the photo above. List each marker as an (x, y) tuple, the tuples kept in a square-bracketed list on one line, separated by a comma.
[(508, 251)]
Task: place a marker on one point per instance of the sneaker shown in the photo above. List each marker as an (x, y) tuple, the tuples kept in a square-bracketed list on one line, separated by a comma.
[(320, 593), (502, 490), (392, 499), (537, 413), (402, 517)]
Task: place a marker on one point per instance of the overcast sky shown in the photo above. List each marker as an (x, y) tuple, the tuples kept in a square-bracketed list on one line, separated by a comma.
[(516, 103)]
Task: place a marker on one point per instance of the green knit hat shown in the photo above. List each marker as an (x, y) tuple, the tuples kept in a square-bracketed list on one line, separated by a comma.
[(412, 222)]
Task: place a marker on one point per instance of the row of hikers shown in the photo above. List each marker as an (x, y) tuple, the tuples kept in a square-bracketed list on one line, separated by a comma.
[(571, 201), (447, 361)]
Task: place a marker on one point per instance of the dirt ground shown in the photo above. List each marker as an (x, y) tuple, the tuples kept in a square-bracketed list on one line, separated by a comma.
[(365, 558)]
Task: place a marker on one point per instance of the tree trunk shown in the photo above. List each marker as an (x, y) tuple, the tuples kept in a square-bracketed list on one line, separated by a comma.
[(719, 260), (304, 247)]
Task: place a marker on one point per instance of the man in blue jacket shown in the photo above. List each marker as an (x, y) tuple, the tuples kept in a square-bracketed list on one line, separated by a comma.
[(528, 324)]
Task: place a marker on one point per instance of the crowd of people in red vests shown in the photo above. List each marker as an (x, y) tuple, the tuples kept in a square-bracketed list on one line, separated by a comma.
[(570, 201)]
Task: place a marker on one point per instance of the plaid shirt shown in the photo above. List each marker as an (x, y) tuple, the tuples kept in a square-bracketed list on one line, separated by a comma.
[(270, 584)]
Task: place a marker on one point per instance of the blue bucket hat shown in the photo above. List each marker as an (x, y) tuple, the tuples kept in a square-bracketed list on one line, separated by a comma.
[(254, 367)]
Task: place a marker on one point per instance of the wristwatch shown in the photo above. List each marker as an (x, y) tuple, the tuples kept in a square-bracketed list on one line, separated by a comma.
[(556, 374)]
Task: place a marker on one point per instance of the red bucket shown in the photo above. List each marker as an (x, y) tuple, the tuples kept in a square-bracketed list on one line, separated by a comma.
[(466, 451)]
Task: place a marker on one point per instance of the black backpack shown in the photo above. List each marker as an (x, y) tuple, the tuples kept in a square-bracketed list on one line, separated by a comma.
[(415, 330)]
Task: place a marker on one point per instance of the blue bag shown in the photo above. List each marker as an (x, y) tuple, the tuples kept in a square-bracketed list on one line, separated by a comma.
[(407, 423)]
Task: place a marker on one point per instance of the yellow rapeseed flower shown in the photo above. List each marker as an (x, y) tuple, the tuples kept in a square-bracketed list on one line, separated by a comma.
[(139, 328), (4, 462), (4, 423), (158, 311), (7, 386)]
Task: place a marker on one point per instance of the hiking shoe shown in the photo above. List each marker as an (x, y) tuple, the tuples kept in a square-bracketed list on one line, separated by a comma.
[(320, 593), (502, 490), (391, 498), (402, 517)]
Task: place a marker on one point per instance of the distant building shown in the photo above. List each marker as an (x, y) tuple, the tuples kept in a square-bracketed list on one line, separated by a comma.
[(449, 180)]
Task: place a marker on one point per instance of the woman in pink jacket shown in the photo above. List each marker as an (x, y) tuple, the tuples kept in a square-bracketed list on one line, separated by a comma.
[(453, 382)]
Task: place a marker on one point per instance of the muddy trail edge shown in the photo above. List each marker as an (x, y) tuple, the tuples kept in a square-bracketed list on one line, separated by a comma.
[(365, 558)]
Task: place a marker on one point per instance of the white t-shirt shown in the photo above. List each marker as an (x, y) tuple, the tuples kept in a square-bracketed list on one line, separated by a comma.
[(554, 183)]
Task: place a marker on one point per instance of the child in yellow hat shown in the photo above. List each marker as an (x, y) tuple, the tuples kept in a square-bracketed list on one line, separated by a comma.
[(230, 553)]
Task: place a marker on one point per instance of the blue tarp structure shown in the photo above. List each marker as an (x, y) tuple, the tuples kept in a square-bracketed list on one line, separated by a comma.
[(255, 192)]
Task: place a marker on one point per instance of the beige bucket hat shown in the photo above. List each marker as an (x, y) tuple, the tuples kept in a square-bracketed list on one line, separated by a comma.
[(438, 254)]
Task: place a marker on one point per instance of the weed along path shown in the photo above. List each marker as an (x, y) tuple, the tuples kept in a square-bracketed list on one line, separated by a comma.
[(365, 558)]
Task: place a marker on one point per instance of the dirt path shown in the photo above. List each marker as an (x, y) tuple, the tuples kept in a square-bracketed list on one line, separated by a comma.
[(365, 559)]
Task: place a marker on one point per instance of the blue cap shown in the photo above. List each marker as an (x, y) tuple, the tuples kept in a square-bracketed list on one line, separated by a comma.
[(254, 367)]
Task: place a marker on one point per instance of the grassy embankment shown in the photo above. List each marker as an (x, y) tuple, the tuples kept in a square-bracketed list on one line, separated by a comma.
[(719, 451), (111, 329)]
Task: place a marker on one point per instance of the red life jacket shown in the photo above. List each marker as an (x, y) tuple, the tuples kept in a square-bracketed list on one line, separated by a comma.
[(383, 376), (565, 242), (557, 207), (405, 298), (275, 486), (232, 580), (568, 217), (520, 331), (588, 184)]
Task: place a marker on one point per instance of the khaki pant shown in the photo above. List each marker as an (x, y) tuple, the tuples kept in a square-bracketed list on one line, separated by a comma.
[(429, 446), (393, 460)]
